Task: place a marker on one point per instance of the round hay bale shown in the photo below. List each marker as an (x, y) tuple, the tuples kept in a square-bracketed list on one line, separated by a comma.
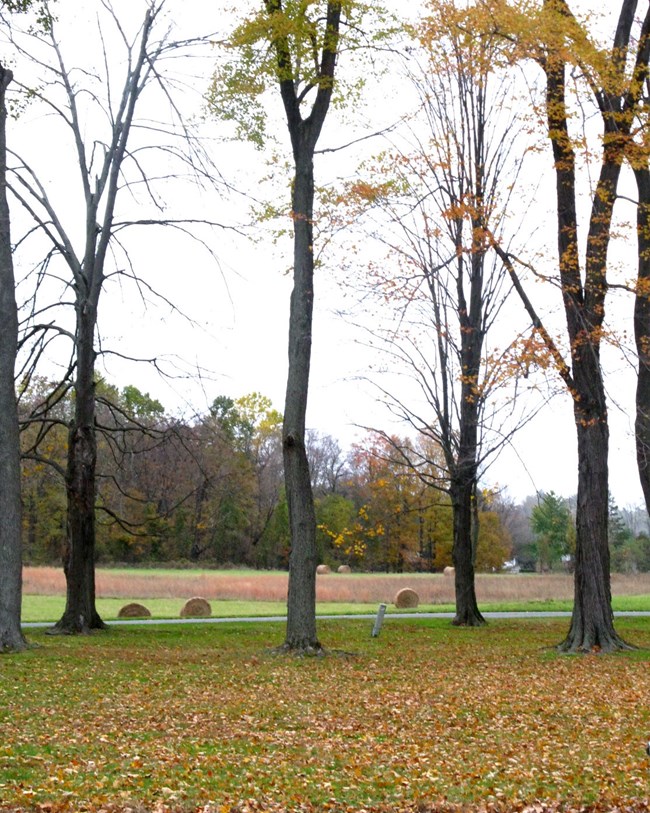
[(323, 570), (196, 607), (344, 569), (406, 598), (134, 610), (449, 571)]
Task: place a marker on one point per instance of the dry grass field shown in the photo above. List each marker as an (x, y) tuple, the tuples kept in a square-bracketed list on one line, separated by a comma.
[(349, 588)]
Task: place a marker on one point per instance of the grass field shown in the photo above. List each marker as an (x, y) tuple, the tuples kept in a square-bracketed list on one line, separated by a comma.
[(424, 717), (238, 593)]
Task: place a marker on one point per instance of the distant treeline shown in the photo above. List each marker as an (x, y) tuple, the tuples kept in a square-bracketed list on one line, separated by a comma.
[(210, 490)]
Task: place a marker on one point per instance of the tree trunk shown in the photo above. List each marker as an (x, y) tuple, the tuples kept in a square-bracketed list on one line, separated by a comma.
[(592, 622), (642, 333), (463, 554), (80, 614), (464, 472), (301, 604), (11, 637)]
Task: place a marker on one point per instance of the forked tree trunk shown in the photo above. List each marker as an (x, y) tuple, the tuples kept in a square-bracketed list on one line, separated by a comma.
[(592, 623), (11, 637)]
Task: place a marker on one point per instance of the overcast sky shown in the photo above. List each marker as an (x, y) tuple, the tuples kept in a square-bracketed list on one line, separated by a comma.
[(236, 340)]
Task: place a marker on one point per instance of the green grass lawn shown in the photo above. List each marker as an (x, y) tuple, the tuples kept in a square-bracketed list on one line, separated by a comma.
[(50, 608), (206, 717)]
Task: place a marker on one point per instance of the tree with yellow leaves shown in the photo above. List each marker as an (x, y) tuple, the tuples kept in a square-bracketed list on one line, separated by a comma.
[(294, 48)]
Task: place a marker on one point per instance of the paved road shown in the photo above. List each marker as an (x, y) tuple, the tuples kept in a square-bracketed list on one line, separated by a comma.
[(361, 617)]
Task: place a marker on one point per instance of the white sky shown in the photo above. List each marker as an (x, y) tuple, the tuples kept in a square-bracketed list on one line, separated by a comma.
[(239, 310)]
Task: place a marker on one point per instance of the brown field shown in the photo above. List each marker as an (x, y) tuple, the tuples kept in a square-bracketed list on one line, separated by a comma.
[(349, 588)]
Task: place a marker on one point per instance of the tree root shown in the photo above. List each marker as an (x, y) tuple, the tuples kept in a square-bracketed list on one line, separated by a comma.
[(310, 651), (589, 646)]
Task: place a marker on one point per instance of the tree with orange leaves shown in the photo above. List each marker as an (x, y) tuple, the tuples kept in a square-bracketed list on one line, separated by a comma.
[(433, 200)]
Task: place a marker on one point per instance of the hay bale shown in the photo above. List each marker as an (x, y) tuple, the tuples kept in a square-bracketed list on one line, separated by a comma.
[(323, 570), (196, 607), (344, 569), (449, 571), (406, 598), (134, 610)]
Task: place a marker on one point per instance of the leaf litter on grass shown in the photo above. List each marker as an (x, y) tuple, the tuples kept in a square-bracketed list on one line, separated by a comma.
[(424, 718)]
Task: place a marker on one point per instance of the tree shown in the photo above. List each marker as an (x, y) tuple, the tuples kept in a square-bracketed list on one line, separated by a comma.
[(550, 522), (515, 520), (494, 542), (295, 48), (335, 515), (435, 205), (254, 429), (614, 79), (11, 637), (402, 522), (327, 464), (107, 163), (43, 450), (304, 131)]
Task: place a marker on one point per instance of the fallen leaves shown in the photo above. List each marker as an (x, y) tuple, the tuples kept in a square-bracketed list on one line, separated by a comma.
[(207, 720)]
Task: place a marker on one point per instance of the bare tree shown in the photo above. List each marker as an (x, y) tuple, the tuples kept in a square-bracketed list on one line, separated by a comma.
[(327, 463), (11, 637), (106, 165)]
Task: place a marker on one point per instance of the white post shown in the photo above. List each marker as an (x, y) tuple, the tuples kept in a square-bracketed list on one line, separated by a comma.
[(379, 620)]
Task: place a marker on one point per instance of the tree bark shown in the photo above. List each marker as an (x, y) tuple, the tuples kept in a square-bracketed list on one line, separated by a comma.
[(80, 614), (642, 332), (11, 636), (464, 473), (463, 553), (592, 621), (301, 602)]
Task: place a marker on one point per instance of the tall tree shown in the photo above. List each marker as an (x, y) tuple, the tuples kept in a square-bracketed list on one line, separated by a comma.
[(106, 164), (639, 160), (304, 130), (584, 303), (11, 637), (435, 204), (295, 48), (615, 79)]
